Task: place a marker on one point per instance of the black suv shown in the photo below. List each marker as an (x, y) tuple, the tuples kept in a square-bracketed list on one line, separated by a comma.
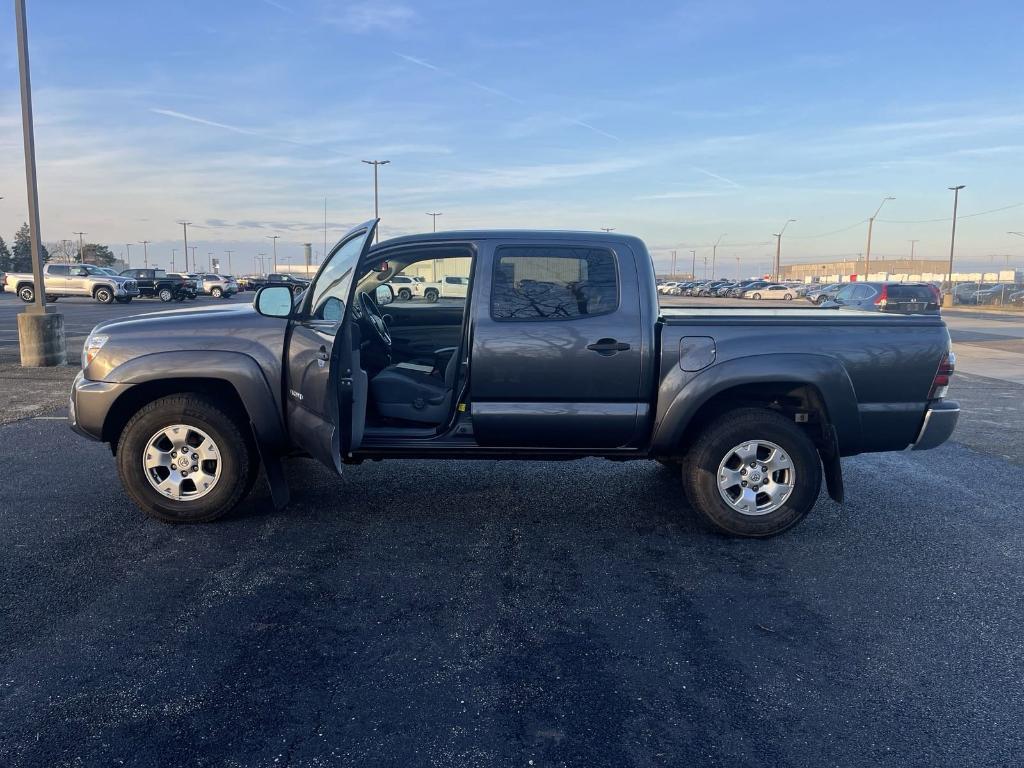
[(158, 284)]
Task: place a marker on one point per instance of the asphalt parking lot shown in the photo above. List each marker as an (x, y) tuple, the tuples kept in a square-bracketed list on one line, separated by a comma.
[(504, 613)]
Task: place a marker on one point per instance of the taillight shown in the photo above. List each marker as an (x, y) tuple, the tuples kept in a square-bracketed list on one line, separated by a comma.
[(883, 296), (936, 293), (940, 384)]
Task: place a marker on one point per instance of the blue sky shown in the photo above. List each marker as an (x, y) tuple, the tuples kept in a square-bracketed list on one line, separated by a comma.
[(675, 121)]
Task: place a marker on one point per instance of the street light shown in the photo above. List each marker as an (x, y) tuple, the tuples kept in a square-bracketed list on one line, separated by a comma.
[(376, 200), (778, 248), (434, 217), (81, 247), (912, 244), (275, 238), (693, 264), (714, 254), (184, 226), (952, 243), (145, 253), (229, 261), (871, 224)]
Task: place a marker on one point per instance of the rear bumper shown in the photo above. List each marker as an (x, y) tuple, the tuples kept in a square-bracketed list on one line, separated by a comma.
[(939, 423)]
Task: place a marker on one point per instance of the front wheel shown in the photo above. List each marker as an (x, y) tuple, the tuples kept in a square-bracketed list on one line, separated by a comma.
[(184, 460), (104, 295), (165, 294), (404, 294), (788, 297), (431, 296), (753, 473), (757, 296), (216, 293)]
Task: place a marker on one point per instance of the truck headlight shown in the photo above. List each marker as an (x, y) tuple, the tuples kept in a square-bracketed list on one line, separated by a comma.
[(92, 347)]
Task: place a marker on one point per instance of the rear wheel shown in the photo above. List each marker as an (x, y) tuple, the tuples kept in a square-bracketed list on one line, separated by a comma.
[(184, 460), (404, 294), (103, 295), (27, 294), (165, 294), (757, 296), (753, 473), (788, 297), (431, 296), (216, 293)]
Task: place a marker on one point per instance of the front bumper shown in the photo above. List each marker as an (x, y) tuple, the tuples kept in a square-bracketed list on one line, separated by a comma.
[(123, 291), (89, 404), (939, 423)]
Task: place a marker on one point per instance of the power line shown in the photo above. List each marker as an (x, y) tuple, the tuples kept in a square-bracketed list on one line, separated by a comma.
[(950, 218)]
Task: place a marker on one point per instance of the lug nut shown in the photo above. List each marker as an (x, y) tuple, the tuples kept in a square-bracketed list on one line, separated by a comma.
[(744, 483), (743, 471), (174, 454), (184, 473)]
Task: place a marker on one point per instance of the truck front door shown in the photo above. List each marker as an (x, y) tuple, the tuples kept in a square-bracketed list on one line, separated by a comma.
[(558, 345), (325, 388)]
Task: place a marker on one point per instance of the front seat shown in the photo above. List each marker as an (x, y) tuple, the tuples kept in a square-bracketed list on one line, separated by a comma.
[(416, 393)]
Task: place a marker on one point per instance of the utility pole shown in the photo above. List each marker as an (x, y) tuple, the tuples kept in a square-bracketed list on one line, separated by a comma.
[(376, 199), (778, 250), (693, 264), (912, 244), (434, 217), (41, 337), (714, 254), (81, 246), (173, 252), (738, 278), (195, 264), (184, 226), (209, 261), (871, 224), (948, 301), (128, 258), (705, 267), (274, 238), (145, 253), (673, 263), (229, 261)]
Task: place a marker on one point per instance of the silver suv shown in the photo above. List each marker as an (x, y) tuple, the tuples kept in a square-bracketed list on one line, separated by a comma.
[(74, 280), (218, 286)]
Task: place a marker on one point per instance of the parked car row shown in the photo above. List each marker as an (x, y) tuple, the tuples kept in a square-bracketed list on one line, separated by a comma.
[(734, 289), (106, 285), (981, 294), (407, 288)]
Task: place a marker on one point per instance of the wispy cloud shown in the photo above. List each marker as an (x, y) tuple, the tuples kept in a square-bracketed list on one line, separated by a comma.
[(366, 17), (500, 93), (279, 6), (722, 179)]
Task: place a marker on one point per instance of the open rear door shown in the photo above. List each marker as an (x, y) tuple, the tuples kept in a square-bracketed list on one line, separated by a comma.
[(325, 386)]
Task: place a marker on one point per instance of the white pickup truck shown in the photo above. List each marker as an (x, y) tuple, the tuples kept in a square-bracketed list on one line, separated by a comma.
[(73, 280), (445, 288)]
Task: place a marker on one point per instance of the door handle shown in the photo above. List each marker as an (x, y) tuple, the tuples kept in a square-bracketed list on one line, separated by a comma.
[(608, 347)]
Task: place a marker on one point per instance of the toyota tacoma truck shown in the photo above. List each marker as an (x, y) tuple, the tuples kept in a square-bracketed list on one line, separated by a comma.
[(560, 351), (61, 280)]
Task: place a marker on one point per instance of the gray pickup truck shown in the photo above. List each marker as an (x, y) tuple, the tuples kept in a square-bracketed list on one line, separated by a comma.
[(559, 351)]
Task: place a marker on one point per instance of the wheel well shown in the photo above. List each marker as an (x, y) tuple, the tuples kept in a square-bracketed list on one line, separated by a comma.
[(792, 399), (25, 284), (128, 404)]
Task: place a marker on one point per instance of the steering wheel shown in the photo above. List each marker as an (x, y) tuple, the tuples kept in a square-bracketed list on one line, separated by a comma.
[(373, 317)]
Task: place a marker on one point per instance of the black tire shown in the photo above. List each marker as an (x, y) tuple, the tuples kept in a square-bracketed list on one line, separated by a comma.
[(788, 297), (237, 453), (180, 297), (52, 299), (165, 294), (103, 295), (27, 294), (216, 293), (700, 471), (431, 296), (404, 294), (757, 296)]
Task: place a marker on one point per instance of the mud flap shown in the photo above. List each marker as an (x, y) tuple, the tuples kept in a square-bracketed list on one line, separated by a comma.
[(273, 467), (831, 464)]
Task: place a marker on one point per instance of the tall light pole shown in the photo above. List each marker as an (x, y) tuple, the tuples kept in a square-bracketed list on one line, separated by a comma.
[(673, 263), (738, 278), (693, 264), (145, 253), (778, 249), (81, 246), (274, 238), (948, 301), (714, 253), (129, 257), (229, 261), (434, 217), (184, 226), (209, 261), (195, 262), (871, 224), (41, 337), (376, 199), (912, 244), (173, 252)]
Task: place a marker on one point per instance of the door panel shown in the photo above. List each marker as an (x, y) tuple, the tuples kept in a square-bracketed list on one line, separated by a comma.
[(417, 332), (577, 370), (325, 411)]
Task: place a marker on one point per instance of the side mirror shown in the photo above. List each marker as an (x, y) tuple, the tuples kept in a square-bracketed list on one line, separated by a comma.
[(274, 301), (385, 295)]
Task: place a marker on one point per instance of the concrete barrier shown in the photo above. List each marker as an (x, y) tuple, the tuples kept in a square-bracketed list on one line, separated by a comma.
[(42, 341)]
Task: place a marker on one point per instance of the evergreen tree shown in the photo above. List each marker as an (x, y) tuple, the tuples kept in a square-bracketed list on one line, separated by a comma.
[(22, 256), (5, 257)]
